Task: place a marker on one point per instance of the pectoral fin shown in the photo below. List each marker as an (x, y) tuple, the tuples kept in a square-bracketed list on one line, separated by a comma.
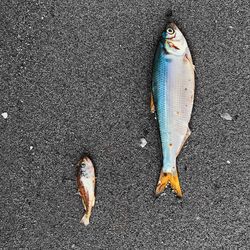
[(152, 105)]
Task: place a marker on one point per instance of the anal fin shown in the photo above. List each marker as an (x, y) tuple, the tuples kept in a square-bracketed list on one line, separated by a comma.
[(84, 205), (188, 133)]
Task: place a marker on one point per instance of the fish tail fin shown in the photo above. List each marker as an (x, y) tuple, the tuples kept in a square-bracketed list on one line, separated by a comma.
[(169, 178), (85, 219)]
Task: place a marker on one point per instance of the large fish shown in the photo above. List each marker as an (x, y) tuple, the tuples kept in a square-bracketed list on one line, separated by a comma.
[(86, 186), (172, 99)]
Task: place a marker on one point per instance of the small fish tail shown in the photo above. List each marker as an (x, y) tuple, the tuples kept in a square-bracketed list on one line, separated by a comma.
[(85, 219), (169, 178)]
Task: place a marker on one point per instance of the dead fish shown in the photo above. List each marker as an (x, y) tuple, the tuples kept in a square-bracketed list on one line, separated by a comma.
[(86, 186), (172, 100)]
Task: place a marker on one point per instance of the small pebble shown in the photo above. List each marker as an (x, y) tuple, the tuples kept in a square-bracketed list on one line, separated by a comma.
[(230, 27), (4, 115), (228, 162), (226, 116), (143, 142), (31, 147)]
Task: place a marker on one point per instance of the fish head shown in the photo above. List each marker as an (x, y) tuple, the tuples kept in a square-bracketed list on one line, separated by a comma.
[(86, 167), (174, 41)]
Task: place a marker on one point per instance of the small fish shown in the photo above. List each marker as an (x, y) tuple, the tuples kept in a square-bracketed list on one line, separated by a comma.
[(172, 100), (86, 186)]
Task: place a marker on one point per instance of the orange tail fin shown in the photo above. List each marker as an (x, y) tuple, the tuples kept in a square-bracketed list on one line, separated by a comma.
[(168, 178)]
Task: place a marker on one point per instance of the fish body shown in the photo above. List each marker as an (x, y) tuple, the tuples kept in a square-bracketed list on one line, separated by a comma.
[(86, 186), (172, 99)]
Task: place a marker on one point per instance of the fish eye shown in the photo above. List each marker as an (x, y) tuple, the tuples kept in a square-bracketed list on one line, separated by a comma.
[(170, 31)]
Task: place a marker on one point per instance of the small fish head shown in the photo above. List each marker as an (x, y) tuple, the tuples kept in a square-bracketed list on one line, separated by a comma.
[(85, 161), (85, 167), (174, 41)]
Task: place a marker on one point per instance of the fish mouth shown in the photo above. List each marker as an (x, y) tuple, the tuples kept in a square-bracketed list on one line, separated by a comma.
[(84, 160)]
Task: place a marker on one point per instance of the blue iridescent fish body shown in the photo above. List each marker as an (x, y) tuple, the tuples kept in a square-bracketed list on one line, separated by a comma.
[(172, 99)]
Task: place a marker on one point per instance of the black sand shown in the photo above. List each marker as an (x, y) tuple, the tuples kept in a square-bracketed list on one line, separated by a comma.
[(75, 77)]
